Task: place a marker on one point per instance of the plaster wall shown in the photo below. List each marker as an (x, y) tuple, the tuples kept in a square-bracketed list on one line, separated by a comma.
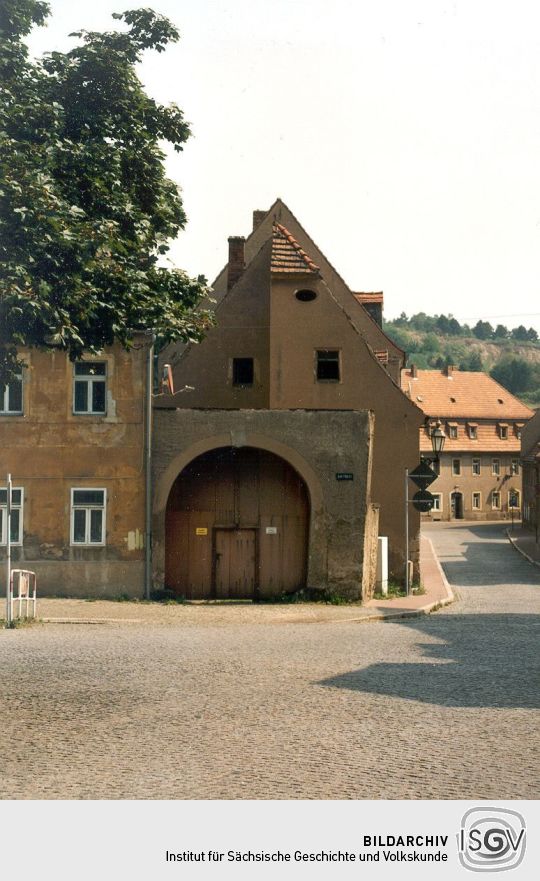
[(467, 483), (49, 450), (323, 324), (241, 332)]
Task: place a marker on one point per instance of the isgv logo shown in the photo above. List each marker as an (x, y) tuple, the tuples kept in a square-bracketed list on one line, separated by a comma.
[(491, 839)]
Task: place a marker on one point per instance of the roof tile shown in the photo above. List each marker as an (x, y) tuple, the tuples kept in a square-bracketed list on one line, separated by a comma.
[(462, 394), (287, 255)]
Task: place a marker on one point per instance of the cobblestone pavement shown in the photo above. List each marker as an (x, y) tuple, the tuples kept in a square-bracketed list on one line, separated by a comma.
[(436, 707)]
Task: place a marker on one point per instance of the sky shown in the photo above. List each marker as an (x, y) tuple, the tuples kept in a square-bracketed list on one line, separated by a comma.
[(403, 134)]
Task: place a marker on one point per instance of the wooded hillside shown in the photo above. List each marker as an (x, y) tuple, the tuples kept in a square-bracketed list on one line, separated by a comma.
[(509, 355)]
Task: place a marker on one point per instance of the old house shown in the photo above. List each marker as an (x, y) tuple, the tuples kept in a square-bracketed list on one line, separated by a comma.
[(479, 469), (71, 434), (288, 436), (530, 462)]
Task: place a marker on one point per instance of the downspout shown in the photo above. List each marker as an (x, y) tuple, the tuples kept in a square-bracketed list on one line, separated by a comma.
[(148, 467)]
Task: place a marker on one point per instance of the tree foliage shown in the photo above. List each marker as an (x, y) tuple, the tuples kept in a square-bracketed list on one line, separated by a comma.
[(86, 210), (483, 330), (515, 374)]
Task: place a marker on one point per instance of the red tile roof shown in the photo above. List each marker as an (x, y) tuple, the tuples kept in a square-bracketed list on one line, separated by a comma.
[(487, 439), (366, 298), (463, 395), (287, 255)]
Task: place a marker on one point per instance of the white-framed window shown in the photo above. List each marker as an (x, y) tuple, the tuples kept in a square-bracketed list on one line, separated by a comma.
[(503, 431), (514, 498), (496, 501), (473, 431), (452, 432), (514, 466), (17, 500), (88, 516), (456, 467), (476, 467), (496, 467), (90, 387), (437, 502), (11, 397), (476, 501)]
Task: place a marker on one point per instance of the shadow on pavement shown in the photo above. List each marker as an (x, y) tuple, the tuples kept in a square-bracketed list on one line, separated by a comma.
[(481, 661)]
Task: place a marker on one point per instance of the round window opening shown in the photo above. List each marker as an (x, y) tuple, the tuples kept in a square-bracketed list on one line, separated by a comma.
[(305, 296)]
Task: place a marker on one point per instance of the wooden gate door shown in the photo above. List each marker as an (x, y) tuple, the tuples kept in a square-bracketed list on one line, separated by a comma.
[(235, 563)]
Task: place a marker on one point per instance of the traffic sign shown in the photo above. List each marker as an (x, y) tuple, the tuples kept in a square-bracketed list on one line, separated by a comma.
[(423, 475), (423, 501)]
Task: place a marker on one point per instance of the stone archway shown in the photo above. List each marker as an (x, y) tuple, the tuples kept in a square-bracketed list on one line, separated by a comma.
[(237, 526)]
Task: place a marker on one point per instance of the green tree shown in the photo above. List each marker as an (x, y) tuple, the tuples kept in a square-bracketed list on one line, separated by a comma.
[(532, 335), (442, 324), (475, 362), (421, 321), (86, 209), (514, 374), (520, 333), (431, 343), (483, 330), (454, 327), (500, 332)]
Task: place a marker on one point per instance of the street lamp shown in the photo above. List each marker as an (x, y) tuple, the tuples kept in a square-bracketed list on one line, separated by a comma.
[(438, 438)]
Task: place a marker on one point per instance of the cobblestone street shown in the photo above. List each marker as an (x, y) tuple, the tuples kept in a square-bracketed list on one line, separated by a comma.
[(440, 706)]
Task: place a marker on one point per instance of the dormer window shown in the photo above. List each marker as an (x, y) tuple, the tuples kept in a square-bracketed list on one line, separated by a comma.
[(472, 429), (452, 430), (503, 431)]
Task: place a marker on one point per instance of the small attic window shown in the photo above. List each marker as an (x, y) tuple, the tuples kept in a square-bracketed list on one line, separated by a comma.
[(419, 398), (306, 296), (500, 400), (453, 400)]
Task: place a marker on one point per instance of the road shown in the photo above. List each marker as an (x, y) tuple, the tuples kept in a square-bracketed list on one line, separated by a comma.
[(436, 707)]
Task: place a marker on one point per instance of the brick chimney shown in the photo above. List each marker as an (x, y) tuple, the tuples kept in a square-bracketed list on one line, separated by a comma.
[(236, 263), (258, 217), (448, 370), (413, 371)]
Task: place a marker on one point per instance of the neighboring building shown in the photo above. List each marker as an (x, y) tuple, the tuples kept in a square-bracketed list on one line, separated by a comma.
[(479, 470), (260, 485), (71, 434), (530, 462)]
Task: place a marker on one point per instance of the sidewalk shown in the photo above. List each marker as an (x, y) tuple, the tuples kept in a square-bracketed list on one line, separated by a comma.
[(438, 593), (524, 541)]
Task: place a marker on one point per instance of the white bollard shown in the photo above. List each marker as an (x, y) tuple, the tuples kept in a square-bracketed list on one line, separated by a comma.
[(381, 585)]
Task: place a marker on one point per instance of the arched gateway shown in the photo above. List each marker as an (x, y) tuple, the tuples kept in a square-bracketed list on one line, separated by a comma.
[(236, 526)]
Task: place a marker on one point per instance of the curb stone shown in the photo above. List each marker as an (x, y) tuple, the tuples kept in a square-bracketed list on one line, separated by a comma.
[(523, 553)]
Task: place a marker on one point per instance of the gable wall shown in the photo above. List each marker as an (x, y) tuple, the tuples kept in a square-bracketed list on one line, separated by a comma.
[(241, 331), (297, 330), (371, 332)]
